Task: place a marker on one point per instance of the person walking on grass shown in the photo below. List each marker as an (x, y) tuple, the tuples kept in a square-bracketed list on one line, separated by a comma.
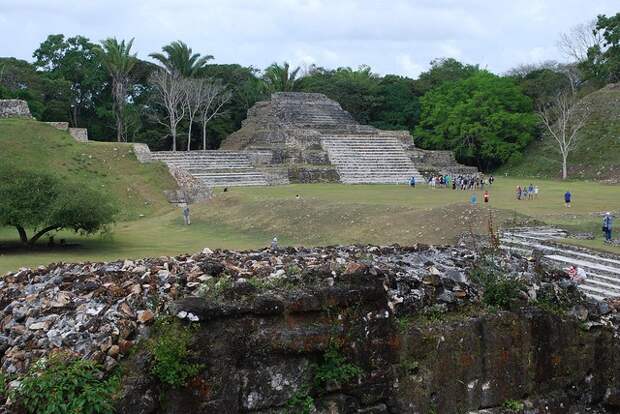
[(607, 224), (567, 198), (530, 192), (519, 191), (186, 219), (536, 192), (486, 196), (412, 181)]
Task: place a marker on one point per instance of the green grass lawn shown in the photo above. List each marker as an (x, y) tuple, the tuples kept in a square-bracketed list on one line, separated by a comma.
[(109, 167), (247, 218)]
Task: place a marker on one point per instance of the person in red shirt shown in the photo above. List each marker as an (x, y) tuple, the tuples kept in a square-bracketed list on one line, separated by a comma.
[(486, 196)]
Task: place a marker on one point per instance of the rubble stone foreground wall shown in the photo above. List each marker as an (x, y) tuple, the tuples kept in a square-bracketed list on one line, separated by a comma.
[(408, 318)]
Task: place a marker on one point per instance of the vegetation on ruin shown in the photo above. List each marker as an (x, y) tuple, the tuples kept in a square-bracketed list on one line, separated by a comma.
[(169, 348), (334, 369), (62, 384), (499, 290)]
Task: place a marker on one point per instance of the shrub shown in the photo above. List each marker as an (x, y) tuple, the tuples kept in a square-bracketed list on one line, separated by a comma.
[(63, 385), (301, 402), (170, 351), (514, 405), (334, 369), (498, 290)]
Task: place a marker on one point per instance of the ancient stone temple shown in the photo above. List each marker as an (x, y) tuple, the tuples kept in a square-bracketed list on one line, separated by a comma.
[(306, 137)]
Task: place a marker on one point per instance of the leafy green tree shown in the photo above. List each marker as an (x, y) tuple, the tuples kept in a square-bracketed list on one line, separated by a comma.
[(399, 107), (603, 60), (179, 58), (357, 90), (485, 119), (281, 78), (48, 99), (542, 84), (444, 70), (118, 60), (38, 201), (76, 61)]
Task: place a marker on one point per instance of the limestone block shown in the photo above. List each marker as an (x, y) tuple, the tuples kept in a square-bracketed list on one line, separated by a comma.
[(63, 126), (79, 134), (14, 108)]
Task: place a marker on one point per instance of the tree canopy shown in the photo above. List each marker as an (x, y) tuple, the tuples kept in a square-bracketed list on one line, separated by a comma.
[(485, 119), (43, 203)]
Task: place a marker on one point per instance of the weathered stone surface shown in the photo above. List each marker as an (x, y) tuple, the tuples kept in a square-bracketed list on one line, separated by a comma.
[(14, 108), (405, 316)]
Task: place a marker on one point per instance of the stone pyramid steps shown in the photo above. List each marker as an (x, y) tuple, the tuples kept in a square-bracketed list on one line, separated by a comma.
[(215, 168), (370, 159), (603, 270)]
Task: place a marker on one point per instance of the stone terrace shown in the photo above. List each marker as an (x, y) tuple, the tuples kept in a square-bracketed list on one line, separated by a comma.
[(603, 270), (370, 159), (215, 168)]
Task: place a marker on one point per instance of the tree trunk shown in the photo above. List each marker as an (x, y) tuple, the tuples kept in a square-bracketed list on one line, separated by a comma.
[(22, 234), (204, 135), (564, 173), (189, 135), (119, 127), (74, 115), (37, 236)]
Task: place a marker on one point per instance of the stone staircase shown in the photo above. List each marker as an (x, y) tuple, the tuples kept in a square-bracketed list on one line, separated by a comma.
[(370, 159), (215, 168), (603, 270)]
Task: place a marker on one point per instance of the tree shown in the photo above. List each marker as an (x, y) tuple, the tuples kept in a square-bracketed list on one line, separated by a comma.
[(118, 60), (357, 90), (542, 82), (214, 96), (444, 70), (170, 92), (49, 99), (563, 117), (281, 78), (485, 119), (75, 60), (194, 92), (575, 44), (44, 203), (178, 58)]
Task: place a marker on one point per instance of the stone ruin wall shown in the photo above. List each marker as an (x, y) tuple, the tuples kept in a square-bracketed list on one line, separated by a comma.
[(18, 108), (14, 108)]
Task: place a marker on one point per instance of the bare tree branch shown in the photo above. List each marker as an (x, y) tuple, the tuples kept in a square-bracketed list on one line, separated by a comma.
[(170, 89), (563, 118), (575, 44), (215, 96)]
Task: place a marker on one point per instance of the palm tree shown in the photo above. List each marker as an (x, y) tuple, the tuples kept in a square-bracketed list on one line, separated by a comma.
[(281, 78), (119, 62), (178, 58)]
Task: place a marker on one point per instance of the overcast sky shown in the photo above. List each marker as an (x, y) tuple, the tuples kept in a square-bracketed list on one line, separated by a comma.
[(393, 36)]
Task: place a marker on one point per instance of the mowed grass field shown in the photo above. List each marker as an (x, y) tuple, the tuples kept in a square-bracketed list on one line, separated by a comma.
[(327, 214)]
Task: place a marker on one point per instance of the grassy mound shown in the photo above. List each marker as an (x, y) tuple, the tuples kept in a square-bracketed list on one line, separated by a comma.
[(109, 167), (597, 155)]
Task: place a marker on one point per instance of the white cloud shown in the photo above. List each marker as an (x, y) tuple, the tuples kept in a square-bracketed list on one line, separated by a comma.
[(392, 36)]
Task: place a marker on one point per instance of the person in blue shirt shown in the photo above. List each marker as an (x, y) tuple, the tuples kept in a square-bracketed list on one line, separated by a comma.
[(412, 181), (567, 198), (607, 224)]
